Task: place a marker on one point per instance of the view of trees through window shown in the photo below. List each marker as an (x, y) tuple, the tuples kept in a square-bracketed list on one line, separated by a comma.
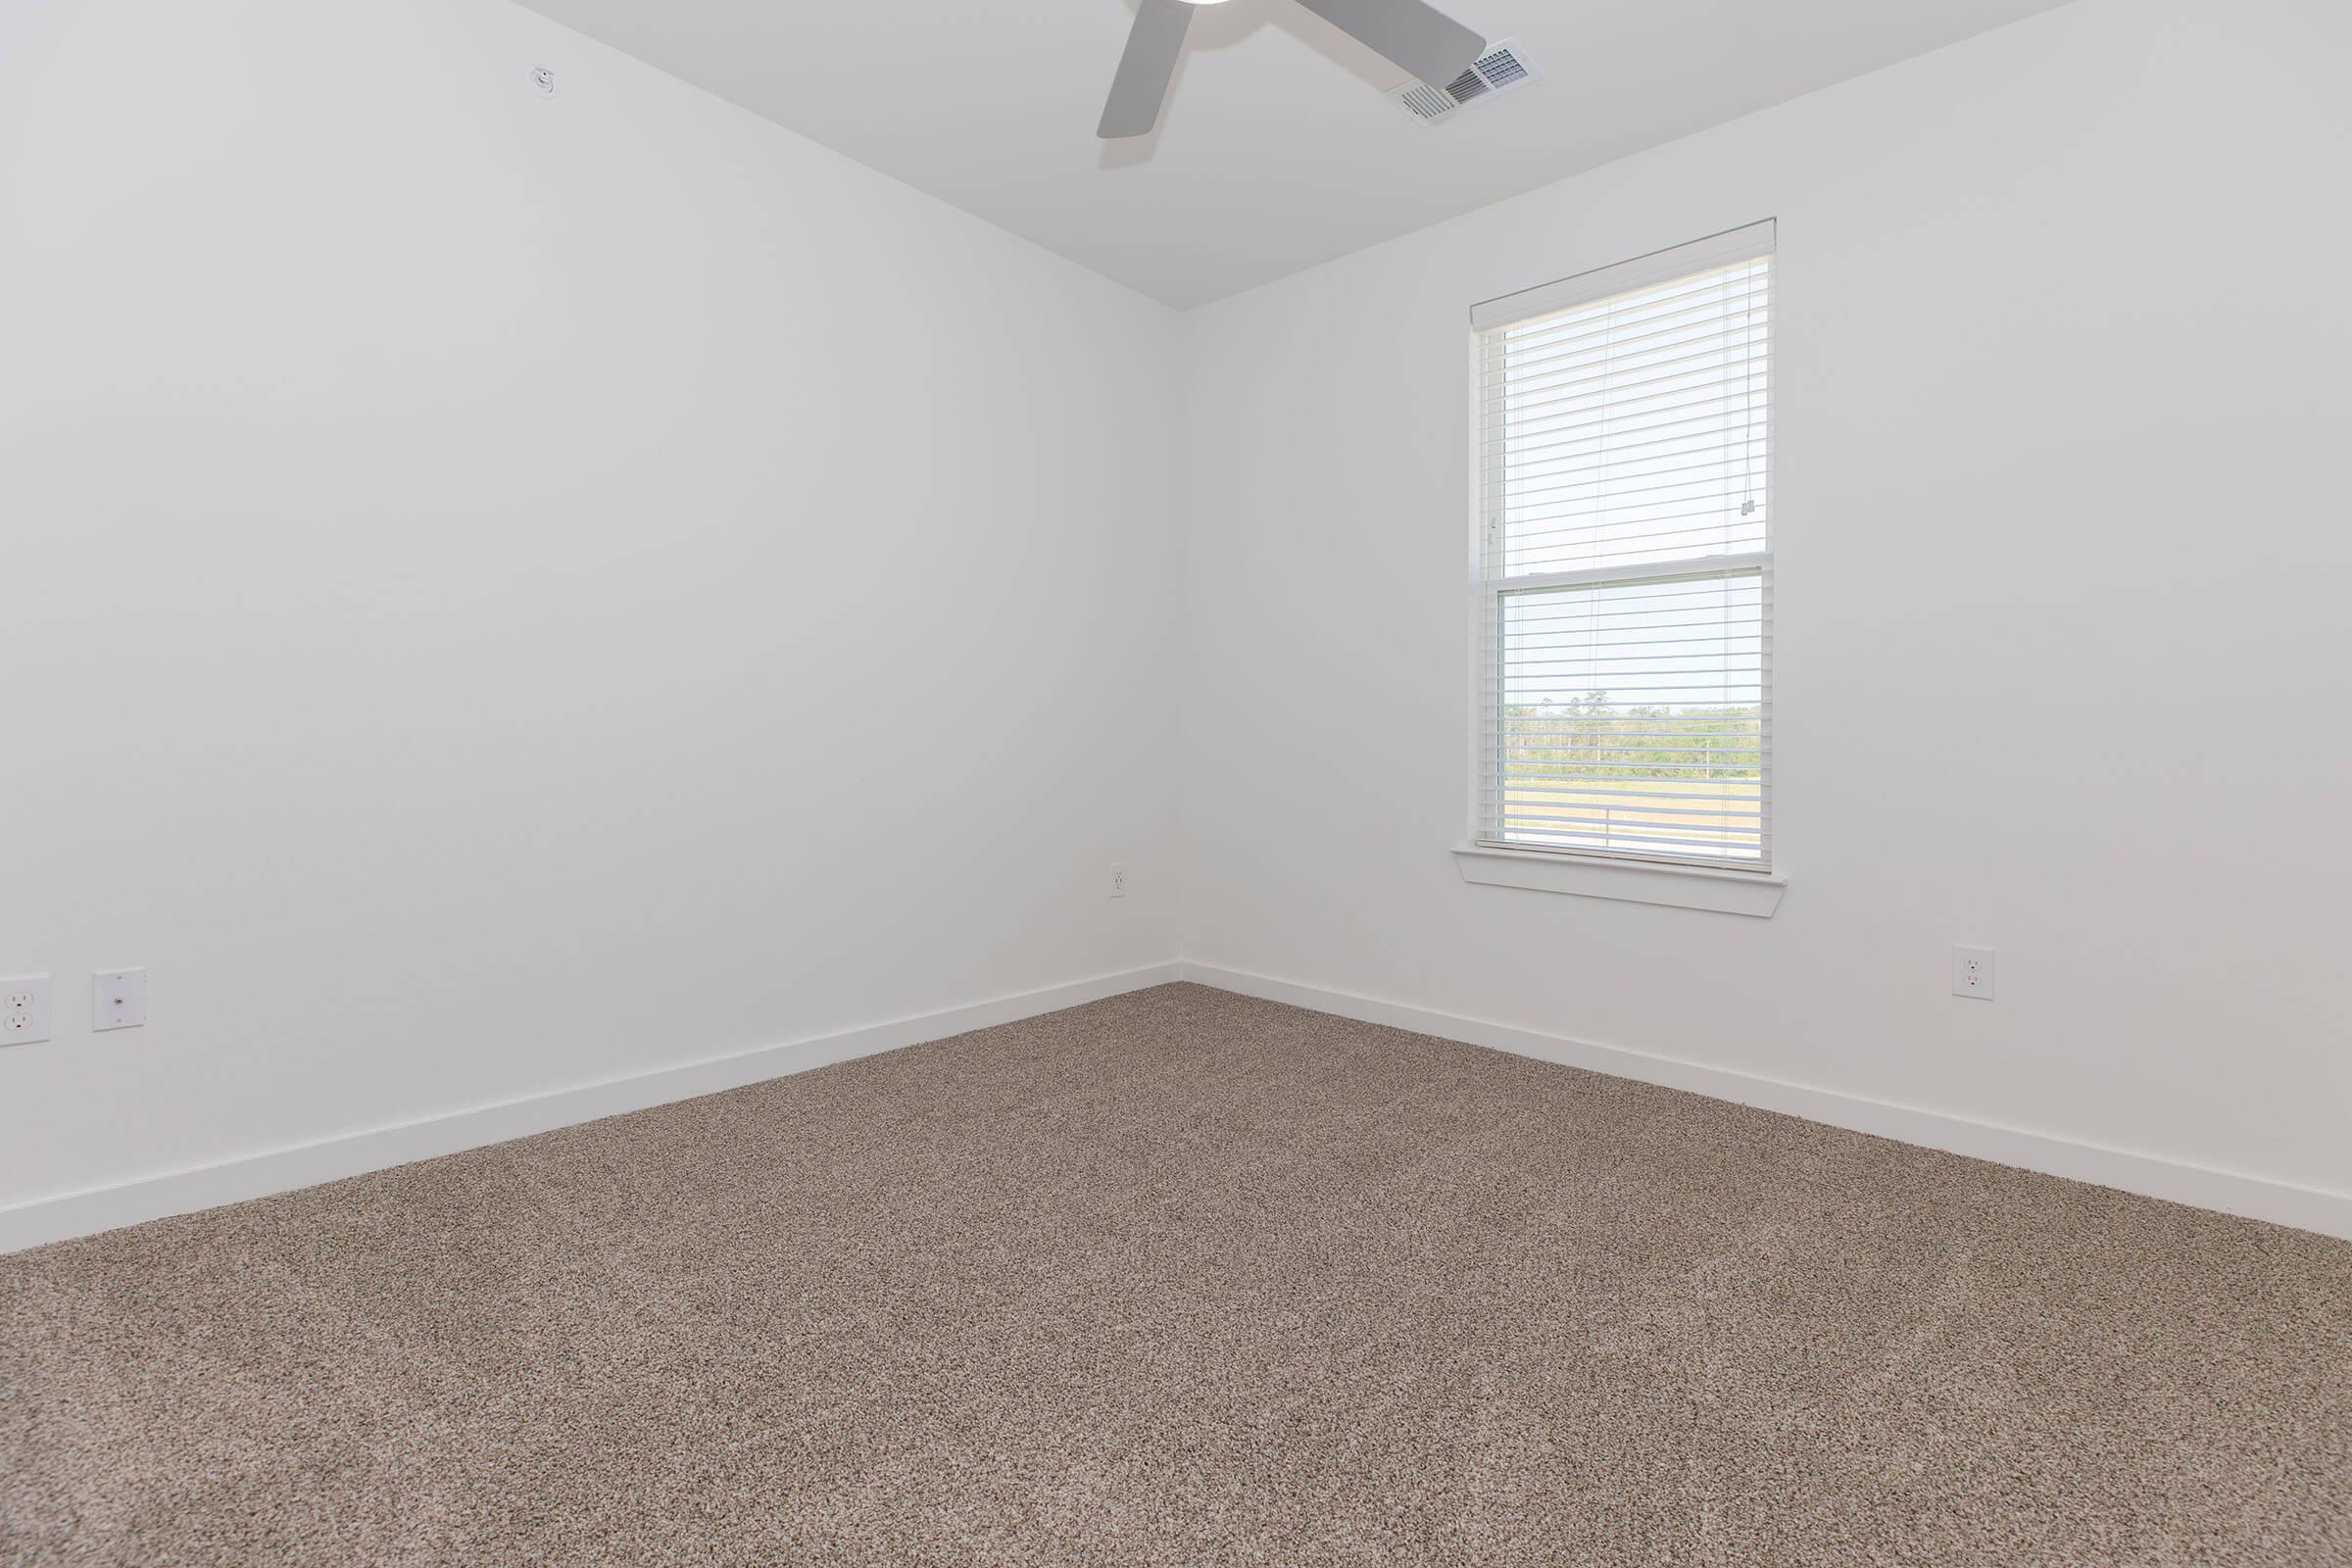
[(1634, 716), (1591, 737)]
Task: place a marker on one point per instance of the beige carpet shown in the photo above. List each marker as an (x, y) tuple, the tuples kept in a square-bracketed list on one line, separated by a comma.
[(1188, 1279)]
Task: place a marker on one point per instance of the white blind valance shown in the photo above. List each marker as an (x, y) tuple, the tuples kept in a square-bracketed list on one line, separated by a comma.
[(1625, 558), (1623, 278)]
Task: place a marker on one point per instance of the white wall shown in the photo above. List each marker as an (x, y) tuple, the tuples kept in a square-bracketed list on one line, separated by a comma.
[(2063, 540), (501, 592), (498, 592)]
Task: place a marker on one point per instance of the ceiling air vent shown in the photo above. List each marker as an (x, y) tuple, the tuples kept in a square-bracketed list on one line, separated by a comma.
[(1498, 69)]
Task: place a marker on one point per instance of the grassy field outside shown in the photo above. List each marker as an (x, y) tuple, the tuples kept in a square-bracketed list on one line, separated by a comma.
[(1609, 808)]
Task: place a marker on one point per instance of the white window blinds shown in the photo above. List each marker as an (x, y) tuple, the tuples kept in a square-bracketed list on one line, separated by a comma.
[(1624, 695)]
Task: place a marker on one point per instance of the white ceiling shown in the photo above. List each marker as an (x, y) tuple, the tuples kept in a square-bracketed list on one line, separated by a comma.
[(1276, 150)]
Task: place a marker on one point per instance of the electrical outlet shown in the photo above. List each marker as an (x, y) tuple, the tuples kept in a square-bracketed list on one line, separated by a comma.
[(1972, 972), (24, 1010), (117, 998), (1119, 881)]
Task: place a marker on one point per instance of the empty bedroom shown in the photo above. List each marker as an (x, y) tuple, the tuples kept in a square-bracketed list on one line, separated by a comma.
[(1446, 783)]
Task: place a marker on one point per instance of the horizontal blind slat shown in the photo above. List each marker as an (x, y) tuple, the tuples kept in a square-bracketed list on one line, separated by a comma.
[(1526, 535), (1725, 327), (1566, 381), (1536, 395)]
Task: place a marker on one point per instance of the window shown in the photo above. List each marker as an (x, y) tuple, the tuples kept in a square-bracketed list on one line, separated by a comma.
[(1624, 697)]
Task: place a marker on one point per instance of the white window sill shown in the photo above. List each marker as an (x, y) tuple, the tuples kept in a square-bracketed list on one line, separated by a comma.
[(1684, 887)]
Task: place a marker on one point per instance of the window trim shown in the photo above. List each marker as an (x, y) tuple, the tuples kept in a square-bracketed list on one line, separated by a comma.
[(1597, 876), (1686, 881)]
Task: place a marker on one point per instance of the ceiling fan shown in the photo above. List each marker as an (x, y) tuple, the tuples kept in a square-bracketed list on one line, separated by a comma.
[(1430, 44)]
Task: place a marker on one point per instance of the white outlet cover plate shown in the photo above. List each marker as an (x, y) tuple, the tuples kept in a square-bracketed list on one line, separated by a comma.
[(1978, 984), (24, 1010), (117, 998)]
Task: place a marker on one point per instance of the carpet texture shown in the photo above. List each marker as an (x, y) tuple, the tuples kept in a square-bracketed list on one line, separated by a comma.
[(1190, 1279)]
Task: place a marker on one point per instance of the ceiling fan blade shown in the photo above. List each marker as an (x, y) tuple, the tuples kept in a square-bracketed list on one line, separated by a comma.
[(1424, 41), (1144, 70)]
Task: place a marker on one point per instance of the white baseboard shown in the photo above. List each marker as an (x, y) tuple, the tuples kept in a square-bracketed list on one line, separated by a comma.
[(179, 1192), (278, 1170), (2264, 1198)]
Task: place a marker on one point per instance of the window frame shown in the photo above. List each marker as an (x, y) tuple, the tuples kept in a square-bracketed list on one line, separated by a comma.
[(1489, 850)]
